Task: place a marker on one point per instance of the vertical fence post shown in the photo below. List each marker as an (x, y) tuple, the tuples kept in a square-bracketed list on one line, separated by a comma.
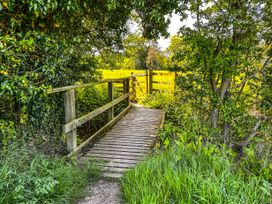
[(150, 81), (146, 81), (110, 97), (126, 89), (70, 114), (133, 88)]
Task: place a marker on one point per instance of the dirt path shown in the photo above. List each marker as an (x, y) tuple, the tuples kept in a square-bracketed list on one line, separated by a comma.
[(103, 192)]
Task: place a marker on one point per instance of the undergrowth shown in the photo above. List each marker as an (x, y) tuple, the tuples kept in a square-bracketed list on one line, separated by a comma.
[(195, 166), (182, 175), (31, 177)]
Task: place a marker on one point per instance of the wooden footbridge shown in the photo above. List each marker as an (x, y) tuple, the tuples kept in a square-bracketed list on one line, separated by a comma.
[(127, 137)]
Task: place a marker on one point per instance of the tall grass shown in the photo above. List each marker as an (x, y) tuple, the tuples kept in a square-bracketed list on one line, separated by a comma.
[(180, 175), (30, 177)]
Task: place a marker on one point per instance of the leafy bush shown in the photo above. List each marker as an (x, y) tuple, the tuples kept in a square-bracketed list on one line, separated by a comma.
[(192, 174), (159, 100), (30, 177)]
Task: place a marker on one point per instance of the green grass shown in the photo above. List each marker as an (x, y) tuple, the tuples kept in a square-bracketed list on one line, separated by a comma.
[(30, 177), (181, 175)]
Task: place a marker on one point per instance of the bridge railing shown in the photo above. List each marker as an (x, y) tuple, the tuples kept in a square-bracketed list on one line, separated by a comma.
[(129, 95)]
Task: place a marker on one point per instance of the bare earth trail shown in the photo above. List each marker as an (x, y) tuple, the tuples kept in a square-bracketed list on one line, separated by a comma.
[(120, 149)]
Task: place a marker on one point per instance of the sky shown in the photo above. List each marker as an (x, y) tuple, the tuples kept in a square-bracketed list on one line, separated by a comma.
[(173, 29)]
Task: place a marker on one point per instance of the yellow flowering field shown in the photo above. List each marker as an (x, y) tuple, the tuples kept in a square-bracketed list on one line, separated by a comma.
[(160, 78)]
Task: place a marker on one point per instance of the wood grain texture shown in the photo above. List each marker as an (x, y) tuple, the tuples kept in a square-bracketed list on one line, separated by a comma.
[(70, 115), (83, 119), (128, 142)]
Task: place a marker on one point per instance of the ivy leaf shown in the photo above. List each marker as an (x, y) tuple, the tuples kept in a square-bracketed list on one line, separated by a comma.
[(5, 4), (36, 14)]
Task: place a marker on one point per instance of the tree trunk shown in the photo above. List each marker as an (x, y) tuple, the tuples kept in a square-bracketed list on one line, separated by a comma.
[(226, 132), (214, 118)]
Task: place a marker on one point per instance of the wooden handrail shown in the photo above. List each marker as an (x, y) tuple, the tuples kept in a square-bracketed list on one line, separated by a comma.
[(83, 119), (66, 88), (72, 123), (99, 132)]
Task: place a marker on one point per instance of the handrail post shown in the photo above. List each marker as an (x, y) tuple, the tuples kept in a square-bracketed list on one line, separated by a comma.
[(70, 114), (133, 88), (110, 97), (146, 81), (150, 81), (126, 89)]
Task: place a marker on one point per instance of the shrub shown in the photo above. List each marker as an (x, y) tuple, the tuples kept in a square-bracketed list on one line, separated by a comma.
[(30, 177)]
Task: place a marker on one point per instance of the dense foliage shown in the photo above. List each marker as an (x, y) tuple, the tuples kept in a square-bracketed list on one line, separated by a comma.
[(36, 178), (218, 125), (45, 44)]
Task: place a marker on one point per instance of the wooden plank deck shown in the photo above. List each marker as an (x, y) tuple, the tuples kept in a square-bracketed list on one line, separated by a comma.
[(128, 142)]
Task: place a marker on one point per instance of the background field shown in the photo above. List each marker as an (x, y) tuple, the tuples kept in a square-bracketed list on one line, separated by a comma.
[(163, 76)]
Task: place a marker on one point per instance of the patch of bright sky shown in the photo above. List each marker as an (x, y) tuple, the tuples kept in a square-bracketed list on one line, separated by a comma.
[(173, 29)]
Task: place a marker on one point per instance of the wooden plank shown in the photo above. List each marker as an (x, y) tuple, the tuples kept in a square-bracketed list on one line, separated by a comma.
[(119, 165), (109, 157), (113, 141), (120, 137), (70, 115), (66, 88), (136, 147), (123, 161), (121, 143), (131, 139), (78, 122), (128, 143), (103, 152), (102, 130), (124, 149), (120, 132)]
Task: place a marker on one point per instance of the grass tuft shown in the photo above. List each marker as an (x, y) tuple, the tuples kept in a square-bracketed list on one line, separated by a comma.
[(179, 175), (29, 177)]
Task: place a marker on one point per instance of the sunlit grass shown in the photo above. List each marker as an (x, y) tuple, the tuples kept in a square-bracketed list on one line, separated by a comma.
[(141, 81), (180, 175)]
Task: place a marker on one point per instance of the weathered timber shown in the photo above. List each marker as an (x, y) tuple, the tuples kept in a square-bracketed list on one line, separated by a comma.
[(128, 142), (150, 86), (124, 149), (133, 88), (70, 115), (146, 81), (116, 164), (78, 122), (99, 132)]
